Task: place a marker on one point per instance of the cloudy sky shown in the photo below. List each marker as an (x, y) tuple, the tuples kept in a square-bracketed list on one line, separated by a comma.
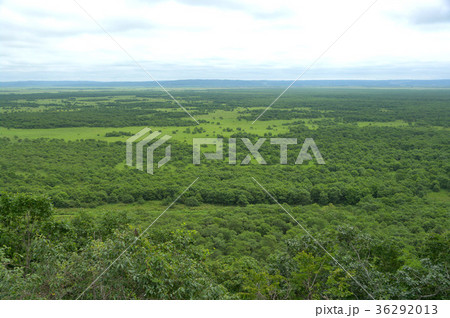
[(229, 39)]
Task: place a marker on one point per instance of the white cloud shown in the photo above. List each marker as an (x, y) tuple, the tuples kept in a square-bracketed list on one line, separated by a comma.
[(223, 39)]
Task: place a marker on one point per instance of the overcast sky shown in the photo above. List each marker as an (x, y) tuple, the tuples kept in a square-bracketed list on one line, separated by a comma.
[(230, 39)]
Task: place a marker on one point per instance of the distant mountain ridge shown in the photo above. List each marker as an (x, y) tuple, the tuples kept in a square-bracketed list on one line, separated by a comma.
[(195, 83)]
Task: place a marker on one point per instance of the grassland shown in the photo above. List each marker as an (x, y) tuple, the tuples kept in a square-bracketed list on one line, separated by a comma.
[(221, 122)]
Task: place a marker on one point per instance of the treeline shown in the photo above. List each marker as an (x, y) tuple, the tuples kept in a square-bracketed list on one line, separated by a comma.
[(105, 117), (383, 163), (110, 108), (118, 134)]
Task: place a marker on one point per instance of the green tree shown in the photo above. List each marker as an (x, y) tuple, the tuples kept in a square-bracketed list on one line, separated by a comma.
[(21, 217)]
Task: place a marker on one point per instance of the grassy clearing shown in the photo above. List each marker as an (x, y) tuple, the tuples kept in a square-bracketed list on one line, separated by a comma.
[(142, 214), (221, 122), (441, 196), (395, 123)]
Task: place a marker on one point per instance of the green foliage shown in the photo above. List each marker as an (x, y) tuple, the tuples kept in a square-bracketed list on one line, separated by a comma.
[(379, 205), (244, 258), (118, 134), (192, 201), (21, 219)]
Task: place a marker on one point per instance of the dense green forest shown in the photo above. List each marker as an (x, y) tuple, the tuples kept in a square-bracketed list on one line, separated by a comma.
[(380, 205)]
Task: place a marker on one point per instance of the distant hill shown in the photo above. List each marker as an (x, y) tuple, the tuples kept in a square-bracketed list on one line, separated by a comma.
[(442, 83)]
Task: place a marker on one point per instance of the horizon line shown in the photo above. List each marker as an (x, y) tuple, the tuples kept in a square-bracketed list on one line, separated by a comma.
[(225, 79)]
